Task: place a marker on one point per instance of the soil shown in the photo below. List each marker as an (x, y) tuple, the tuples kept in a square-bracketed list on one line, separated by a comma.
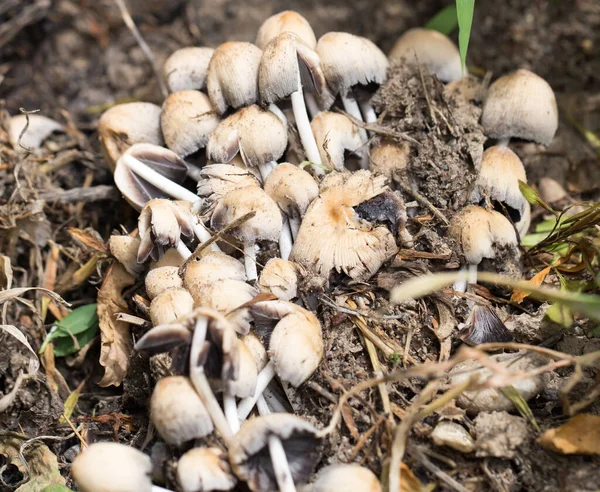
[(73, 59)]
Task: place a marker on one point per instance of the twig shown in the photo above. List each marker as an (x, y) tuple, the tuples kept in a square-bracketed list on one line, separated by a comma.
[(26, 127), (84, 195), (427, 463), (423, 201), (380, 129), (29, 15)]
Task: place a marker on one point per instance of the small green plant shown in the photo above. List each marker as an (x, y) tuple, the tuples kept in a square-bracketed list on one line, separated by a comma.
[(464, 13), (445, 21), (74, 331)]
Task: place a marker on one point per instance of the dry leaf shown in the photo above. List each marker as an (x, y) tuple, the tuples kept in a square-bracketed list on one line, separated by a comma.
[(87, 240), (580, 435), (6, 273), (518, 295), (114, 334), (34, 362)]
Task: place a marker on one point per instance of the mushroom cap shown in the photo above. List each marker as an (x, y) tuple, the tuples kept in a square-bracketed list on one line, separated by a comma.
[(257, 349), (520, 105), (163, 338), (388, 157), (280, 278), (245, 384), (249, 451), (124, 249), (434, 50), (210, 268), (332, 237), (171, 305), (286, 21), (187, 120), (292, 188), (350, 60), (288, 64), (39, 128), (186, 68), (203, 469), (335, 134), (112, 467), (126, 124), (172, 257), (480, 232), (136, 190), (551, 190), (266, 224), (177, 411), (346, 477), (160, 279), (232, 79), (451, 434), (218, 179)]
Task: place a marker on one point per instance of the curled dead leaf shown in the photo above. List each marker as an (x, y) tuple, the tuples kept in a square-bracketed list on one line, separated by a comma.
[(114, 334), (518, 294), (580, 435)]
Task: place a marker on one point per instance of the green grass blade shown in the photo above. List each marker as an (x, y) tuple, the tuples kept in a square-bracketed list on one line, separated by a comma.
[(445, 21), (464, 13)]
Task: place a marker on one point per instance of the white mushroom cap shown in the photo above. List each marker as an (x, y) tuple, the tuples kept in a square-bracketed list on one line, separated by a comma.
[(210, 268), (434, 50), (266, 224), (389, 157), (280, 278), (350, 60), (112, 467), (177, 411), (480, 232), (172, 257), (39, 129), (126, 124), (501, 170), (160, 279), (292, 188), (520, 105), (245, 384), (249, 453), (257, 349), (187, 120), (333, 478), (204, 469), (218, 179), (186, 68), (335, 134), (232, 79), (171, 305), (333, 237), (286, 21), (124, 249)]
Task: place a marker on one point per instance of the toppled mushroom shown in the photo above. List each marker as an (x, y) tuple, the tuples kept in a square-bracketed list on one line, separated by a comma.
[(216, 180), (333, 237), (177, 411), (389, 158), (346, 477), (203, 470), (484, 326), (170, 306), (124, 125), (274, 452), (520, 105), (335, 134), (28, 132), (124, 249), (187, 120), (280, 278), (286, 21), (186, 68), (432, 49), (160, 279)]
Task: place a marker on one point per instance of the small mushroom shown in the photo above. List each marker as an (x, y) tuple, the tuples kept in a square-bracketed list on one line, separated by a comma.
[(274, 452), (286, 21), (124, 125), (346, 477), (203, 470), (454, 436), (265, 225), (520, 105), (336, 134), (170, 306), (28, 132), (187, 120), (216, 180), (432, 49), (484, 326), (242, 387), (160, 279), (124, 249), (389, 158), (186, 68), (280, 278), (177, 411), (208, 269)]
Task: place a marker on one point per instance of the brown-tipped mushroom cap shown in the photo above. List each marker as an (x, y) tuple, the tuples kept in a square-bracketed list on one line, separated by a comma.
[(112, 467), (218, 179), (350, 60), (232, 79), (335, 134), (124, 249), (434, 50), (177, 411), (520, 105), (389, 157), (280, 278), (286, 21), (333, 237), (30, 131), (211, 267), (292, 188), (480, 232), (186, 68), (126, 124), (170, 306), (333, 478), (249, 452), (160, 279), (204, 469), (187, 121)]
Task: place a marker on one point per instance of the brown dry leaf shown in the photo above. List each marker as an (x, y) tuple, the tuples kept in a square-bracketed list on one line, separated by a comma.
[(87, 240), (518, 295), (114, 334), (580, 435), (6, 273), (409, 482)]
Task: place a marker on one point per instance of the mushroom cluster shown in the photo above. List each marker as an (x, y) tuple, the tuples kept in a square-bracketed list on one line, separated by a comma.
[(239, 226)]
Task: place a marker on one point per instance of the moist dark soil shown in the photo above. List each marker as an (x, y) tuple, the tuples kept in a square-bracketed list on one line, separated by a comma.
[(71, 60)]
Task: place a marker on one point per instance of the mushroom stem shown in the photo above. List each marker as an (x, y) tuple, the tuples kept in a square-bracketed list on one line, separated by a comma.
[(351, 107), (264, 378), (250, 261), (503, 142), (368, 111), (460, 285), (311, 104), (202, 234), (283, 474), (157, 488), (277, 112), (294, 226), (183, 250), (201, 384), (472, 277), (285, 239), (266, 168), (231, 411)]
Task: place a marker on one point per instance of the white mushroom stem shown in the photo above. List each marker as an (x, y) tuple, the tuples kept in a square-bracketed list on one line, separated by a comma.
[(311, 104), (230, 408), (183, 250), (294, 226), (469, 277), (265, 169), (277, 112), (202, 234), (285, 239), (246, 405), (368, 112), (157, 488), (201, 384), (472, 273), (352, 108), (503, 142), (283, 474), (250, 261)]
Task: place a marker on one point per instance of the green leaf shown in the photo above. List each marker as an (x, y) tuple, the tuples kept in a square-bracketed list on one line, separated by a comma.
[(74, 331), (521, 405), (56, 488), (80, 319), (533, 197), (464, 13), (66, 346), (445, 21)]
